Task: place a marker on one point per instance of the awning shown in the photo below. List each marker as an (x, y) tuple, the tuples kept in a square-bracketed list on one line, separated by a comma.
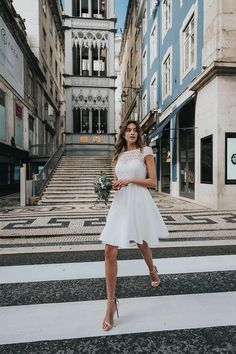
[(157, 132)]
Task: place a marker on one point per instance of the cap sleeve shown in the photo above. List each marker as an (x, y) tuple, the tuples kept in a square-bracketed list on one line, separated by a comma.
[(147, 150)]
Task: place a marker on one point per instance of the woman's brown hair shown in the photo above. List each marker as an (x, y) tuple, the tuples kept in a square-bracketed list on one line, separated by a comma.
[(121, 142)]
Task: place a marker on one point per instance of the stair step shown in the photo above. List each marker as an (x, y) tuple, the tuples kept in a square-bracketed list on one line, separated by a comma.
[(83, 172), (70, 200), (73, 180)]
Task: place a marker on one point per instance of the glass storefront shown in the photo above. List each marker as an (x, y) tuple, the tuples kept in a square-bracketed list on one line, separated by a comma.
[(2, 116), (165, 159), (187, 151)]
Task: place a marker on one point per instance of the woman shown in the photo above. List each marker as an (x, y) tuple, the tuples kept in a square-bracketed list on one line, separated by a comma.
[(133, 215)]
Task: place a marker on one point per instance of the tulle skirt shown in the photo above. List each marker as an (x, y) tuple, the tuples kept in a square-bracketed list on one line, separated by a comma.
[(133, 218)]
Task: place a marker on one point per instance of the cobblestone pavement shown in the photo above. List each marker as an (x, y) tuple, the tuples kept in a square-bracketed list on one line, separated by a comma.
[(81, 224), (53, 287)]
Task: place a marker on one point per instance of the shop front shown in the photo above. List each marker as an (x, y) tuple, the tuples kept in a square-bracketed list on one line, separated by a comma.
[(187, 151), (11, 159), (174, 137)]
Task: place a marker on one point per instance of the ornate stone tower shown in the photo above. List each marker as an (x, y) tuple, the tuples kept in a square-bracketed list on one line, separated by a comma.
[(89, 75)]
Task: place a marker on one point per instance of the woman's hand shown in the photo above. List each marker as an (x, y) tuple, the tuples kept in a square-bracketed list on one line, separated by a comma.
[(121, 183)]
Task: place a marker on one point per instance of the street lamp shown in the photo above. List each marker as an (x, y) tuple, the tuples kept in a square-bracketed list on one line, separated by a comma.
[(125, 94)]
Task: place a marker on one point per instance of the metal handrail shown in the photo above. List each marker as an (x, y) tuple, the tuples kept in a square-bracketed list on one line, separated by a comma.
[(42, 150), (40, 179)]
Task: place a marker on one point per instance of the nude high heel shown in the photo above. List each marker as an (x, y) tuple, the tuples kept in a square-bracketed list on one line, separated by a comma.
[(154, 273), (106, 326)]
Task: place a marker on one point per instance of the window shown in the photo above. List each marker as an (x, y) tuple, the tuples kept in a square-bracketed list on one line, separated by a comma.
[(144, 22), (31, 84), (56, 95), (188, 46), (166, 77), (144, 65), (99, 8), (99, 121), (128, 70), (44, 6), (44, 40), (91, 8), (153, 4), (18, 125), (166, 16), (132, 91), (2, 116), (131, 25), (51, 24), (99, 61), (45, 72), (153, 93), (56, 69), (80, 120), (131, 57), (136, 77), (50, 57), (31, 130), (153, 44), (230, 158), (144, 105), (207, 159), (51, 87)]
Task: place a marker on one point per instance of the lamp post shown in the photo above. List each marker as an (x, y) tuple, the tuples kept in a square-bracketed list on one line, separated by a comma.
[(125, 94)]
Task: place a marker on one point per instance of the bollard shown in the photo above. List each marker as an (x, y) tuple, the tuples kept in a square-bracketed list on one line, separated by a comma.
[(23, 185)]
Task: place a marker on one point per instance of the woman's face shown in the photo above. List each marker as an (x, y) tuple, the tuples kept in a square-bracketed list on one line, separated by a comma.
[(131, 134)]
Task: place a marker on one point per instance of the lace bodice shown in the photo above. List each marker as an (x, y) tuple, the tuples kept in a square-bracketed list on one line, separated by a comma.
[(131, 164)]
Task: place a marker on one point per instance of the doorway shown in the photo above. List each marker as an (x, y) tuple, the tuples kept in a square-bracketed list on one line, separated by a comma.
[(165, 160), (187, 151)]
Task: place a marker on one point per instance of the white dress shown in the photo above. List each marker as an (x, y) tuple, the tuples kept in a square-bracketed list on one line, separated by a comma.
[(133, 215)]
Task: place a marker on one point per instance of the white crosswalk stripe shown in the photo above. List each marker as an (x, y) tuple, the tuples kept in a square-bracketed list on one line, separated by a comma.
[(142, 315), (134, 267), (83, 319)]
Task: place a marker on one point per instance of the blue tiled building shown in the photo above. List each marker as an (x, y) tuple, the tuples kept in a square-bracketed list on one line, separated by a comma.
[(186, 94), (172, 47)]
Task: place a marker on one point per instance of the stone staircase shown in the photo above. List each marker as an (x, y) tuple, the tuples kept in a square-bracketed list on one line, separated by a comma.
[(73, 180)]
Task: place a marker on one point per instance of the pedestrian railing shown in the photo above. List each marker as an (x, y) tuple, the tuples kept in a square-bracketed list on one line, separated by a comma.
[(40, 179), (42, 150)]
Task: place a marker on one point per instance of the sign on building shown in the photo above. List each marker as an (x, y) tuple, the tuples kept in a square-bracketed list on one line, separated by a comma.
[(11, 60)]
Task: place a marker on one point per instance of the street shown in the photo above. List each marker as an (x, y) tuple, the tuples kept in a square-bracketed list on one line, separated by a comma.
[(53, 286)]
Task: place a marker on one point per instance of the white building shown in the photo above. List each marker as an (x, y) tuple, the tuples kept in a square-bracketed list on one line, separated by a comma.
[(90, 75), (215, 151)]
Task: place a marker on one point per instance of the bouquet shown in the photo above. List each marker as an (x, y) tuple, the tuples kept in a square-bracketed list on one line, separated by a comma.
[(102, 187)]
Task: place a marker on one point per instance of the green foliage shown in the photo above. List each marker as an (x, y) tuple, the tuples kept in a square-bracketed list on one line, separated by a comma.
[(102, 187)]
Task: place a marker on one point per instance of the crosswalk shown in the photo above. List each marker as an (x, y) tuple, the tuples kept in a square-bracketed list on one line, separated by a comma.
[(52, 306)]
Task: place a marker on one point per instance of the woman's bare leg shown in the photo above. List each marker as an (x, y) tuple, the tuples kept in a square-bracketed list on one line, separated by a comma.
[(111, 275), (147, 255)]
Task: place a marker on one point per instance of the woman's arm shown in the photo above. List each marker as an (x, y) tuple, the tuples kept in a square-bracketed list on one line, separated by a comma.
[(150, 181)]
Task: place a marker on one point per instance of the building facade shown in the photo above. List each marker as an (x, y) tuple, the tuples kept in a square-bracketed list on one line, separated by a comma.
[(187, 65), (118, 103), (90, 75), (43, 21), (131, 65), (21, 87)]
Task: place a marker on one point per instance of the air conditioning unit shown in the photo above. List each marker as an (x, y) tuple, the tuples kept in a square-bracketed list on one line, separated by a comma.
[(159, 111)]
